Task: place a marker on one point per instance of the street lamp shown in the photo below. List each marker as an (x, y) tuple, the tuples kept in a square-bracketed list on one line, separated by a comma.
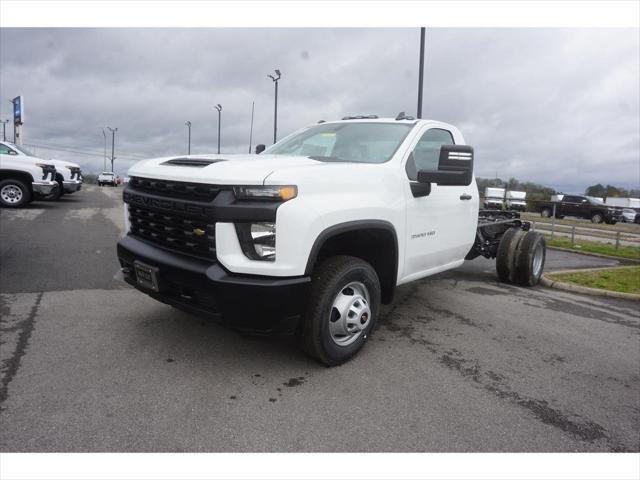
[(421, 71), (113, 144), (104, 158), (275, 110), (218, 107), (188, 124)]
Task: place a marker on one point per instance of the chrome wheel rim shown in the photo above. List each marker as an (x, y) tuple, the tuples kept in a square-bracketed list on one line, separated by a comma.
[(350, 314), (538, 255), (11, 194)]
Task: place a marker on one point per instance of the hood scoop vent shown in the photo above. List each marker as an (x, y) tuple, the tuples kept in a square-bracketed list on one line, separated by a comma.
[(191, 162)]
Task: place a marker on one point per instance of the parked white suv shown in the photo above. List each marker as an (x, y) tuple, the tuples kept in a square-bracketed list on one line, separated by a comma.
[(313, 234), (108, 178), (24, 179)]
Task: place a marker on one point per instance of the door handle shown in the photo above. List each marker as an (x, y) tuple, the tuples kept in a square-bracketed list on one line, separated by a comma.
[(465, 196)]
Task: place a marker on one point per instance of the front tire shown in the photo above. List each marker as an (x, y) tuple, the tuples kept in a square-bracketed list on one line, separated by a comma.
[(596, 217), (545, 213), (342, 309), (14, 193)]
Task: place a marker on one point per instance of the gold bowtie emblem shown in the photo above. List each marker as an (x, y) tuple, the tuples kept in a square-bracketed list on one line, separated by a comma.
[(198, 231)]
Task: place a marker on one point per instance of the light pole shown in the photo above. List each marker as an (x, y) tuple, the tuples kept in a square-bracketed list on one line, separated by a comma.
[(253, 105), (104, 162), (275, 109), (421, 72), (219, 109), (113, 144), (188, 124), (4, 130)]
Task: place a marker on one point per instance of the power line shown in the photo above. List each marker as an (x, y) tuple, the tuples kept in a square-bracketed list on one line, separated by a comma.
[(81, 152)]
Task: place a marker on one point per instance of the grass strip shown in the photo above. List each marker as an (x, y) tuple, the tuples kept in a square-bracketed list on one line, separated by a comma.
[(624, 251), (620, 279)]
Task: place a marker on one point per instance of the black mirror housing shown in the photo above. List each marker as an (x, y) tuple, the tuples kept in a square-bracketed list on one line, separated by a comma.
[(455, 167), (260, 148)]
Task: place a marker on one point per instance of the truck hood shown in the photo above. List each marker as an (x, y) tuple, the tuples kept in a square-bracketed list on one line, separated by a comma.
[(219, 169), (62, 163)]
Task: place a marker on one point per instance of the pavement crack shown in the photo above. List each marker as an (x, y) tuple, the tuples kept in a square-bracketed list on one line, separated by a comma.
[(12, 364)]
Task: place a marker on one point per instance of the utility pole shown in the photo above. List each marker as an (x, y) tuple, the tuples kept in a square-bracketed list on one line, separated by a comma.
[(421, 71), (275, 109), (188, 124), (4, 129), (104, 158), (113, 144), (219, 109), (253, 104)]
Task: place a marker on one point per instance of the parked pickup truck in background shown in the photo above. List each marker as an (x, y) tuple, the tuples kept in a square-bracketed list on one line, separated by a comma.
[(312, 235), (24, 179), (68, 174), (582, 207), (107, 178)]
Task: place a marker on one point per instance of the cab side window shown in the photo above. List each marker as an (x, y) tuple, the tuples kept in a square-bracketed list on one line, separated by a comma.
[(426, 153), (4, 150)]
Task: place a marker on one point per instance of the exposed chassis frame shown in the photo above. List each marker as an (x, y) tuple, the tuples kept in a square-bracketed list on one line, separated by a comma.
[(492, 224)]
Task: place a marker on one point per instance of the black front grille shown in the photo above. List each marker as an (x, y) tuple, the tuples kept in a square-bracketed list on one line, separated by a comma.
[(179, 232), (167, 188), (75, 173)]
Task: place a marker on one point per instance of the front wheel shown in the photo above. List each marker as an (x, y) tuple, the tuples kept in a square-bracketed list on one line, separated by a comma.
[(545, 213), (14, 193), (596, 217), (342, 309)]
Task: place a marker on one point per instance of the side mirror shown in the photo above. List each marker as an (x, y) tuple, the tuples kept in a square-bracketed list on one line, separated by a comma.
[(455, 167), (260, 148), (12, 152)]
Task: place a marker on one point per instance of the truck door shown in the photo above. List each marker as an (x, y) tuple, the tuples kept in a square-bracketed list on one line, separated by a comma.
[(441, 225), (570, 205)]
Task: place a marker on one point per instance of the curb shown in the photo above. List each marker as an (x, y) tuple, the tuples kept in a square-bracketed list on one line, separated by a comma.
[(570, 287), (592, 254)]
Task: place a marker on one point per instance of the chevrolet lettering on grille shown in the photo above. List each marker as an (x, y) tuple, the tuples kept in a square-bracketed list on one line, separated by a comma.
[(166, 204)]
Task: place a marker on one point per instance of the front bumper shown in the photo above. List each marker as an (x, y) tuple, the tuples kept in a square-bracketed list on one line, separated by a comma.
[(72, 186), (613, 217), (44, 188), (244, 302)]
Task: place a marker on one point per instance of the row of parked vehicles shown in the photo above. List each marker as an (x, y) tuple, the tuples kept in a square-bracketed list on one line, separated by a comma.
[(24, 177), (598, 210), (590, 208)]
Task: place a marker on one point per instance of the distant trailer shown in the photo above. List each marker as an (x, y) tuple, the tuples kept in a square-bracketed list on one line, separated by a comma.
[(516, 200), (623, 202), (494, 198)]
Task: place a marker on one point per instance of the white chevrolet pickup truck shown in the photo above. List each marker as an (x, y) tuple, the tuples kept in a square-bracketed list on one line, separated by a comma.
[(68, 174), (23, 178), (312, 235)]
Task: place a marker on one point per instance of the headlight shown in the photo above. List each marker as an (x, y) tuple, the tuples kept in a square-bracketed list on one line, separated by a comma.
[(46, 170), (258, 240), (266, 192)]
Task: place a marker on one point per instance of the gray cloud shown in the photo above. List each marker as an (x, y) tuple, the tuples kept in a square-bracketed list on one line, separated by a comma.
[(555, 106)]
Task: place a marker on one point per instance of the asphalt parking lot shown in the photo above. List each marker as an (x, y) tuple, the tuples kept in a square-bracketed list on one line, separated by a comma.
[(458, 363)]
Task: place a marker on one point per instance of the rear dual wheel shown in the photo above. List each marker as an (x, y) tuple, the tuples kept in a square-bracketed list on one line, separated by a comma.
[(521, 256)]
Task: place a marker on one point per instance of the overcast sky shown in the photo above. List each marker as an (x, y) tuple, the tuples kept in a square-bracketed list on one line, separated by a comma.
[(555, 106)]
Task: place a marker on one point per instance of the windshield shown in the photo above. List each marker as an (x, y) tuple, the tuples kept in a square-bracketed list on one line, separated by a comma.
[(23, 150), (363, 142)]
